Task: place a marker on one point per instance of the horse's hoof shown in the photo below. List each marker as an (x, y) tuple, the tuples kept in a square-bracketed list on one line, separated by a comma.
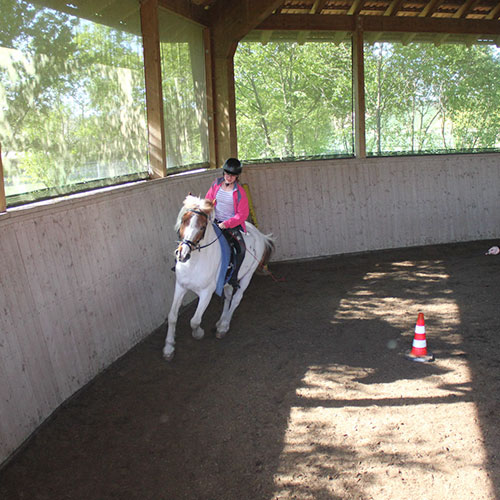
[(198, 334), (168, 356), (220, 335)]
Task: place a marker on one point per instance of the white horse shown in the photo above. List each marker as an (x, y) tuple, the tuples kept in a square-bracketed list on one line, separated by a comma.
[(198, 263)]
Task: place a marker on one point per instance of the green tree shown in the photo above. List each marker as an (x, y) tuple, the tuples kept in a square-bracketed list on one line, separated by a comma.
[(424, 98), (72, 95), (293, 100)]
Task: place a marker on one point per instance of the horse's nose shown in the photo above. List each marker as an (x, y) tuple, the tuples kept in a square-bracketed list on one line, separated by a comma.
[(182, 257)]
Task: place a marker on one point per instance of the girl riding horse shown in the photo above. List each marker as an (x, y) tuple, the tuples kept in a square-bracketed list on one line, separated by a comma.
[(231, 210)]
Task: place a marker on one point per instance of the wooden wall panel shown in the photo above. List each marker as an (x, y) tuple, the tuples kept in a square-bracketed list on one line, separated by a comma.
[(343, 206), (83, 280)]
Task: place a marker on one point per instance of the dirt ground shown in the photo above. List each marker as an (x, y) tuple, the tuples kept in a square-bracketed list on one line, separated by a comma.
[(308, 397)]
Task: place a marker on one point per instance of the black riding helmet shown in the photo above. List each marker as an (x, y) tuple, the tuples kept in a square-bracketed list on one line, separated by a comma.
[(232, 166)]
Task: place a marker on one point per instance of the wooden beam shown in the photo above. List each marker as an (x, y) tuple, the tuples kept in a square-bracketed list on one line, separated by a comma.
[(317, 7), (230, 21), (397, 24), (461, 12), (3, 202), (356, 7), (309, 22), (224, 108), (358, 83), (154, 94), (393, 7), (464, 9), (187, 9), (494, 12), (212, 147), (429, 8)]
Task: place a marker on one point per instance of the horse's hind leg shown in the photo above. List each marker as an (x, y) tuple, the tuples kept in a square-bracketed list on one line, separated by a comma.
[(169, 349), (230, 305), (204, 300)]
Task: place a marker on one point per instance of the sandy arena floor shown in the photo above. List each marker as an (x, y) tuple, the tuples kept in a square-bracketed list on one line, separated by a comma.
[(308, 397)]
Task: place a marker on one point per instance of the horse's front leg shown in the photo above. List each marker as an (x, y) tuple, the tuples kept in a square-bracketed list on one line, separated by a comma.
[(204, 300), (169, 349), (228, 293), (230, 305)]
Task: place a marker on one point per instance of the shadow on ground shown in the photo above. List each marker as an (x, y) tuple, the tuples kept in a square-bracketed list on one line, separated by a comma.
[(213, 423)]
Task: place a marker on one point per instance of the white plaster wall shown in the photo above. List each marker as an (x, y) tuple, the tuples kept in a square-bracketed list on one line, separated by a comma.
[(84, 279)]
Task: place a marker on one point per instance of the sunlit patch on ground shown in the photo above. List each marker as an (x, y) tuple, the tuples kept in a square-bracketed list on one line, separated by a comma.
[(363, 434)]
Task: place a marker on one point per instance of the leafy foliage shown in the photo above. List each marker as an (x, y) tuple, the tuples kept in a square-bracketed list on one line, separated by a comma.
[(72, 104), (72, 99), (296, 101), (293, 100)]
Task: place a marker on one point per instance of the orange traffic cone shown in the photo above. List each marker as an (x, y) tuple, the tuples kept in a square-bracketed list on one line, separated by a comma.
[(419, 347)]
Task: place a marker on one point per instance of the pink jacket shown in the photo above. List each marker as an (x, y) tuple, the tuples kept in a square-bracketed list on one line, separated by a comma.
[(240, 199)]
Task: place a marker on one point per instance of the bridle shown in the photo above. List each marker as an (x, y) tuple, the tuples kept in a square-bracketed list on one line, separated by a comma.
[(194, 245)]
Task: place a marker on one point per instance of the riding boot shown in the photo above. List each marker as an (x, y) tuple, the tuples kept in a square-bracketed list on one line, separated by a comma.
[(238, 259)]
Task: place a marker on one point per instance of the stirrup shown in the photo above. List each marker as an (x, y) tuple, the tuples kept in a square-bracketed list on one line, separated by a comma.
[(234, 282)]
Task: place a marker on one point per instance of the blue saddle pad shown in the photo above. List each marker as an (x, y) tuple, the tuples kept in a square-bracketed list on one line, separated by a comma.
[(225, 259)]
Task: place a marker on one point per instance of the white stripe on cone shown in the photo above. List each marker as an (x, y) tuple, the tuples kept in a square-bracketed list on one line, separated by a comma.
[(419, 343)]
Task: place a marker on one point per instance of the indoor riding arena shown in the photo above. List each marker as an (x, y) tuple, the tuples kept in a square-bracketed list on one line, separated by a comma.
[(362, 362)]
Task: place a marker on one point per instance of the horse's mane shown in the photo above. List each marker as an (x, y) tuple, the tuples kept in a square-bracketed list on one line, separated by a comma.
[(194, 202)]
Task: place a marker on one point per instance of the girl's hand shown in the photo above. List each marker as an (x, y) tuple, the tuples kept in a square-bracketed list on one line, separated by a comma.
[(222, 225)]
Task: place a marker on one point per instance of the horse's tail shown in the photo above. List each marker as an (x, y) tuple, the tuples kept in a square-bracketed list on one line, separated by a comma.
[(268, 251)]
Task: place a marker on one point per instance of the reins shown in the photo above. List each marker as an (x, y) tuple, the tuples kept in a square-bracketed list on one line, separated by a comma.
[(191, 244), (194, 246), (200, 247)]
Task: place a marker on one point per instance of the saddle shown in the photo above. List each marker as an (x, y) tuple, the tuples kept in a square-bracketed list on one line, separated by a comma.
[(231, 259)]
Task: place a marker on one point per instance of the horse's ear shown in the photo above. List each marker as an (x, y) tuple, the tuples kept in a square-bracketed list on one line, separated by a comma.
[(210, 202)]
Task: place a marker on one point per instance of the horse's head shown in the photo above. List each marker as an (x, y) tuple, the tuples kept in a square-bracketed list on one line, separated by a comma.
[(191, 225)]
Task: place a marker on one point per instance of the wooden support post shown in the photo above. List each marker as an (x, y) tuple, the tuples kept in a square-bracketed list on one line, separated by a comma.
[(224, 101), (3, 201), (358, 90), (212, 148), (230, 22), (154, 95)]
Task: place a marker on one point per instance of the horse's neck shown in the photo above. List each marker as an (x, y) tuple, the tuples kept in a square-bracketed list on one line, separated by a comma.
[(209, 235)]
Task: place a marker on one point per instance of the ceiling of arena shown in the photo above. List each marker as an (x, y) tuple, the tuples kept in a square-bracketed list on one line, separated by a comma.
[(436, 21)]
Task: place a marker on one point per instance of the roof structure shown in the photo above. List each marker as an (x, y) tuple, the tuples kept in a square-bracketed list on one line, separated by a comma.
[(467, 9), (230, 21), (436, 21)]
